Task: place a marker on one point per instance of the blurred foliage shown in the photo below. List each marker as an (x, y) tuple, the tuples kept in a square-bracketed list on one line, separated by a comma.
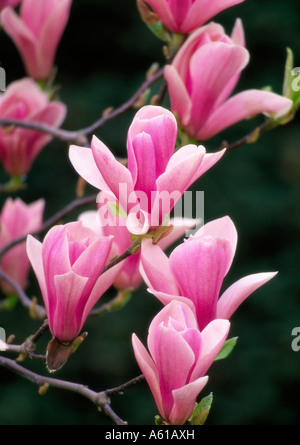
[(101, 60)]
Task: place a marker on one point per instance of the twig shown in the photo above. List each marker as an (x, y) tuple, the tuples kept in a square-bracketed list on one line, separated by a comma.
[(79, 136), (38, 310), (76, 204), (100, 399), (250, 137)]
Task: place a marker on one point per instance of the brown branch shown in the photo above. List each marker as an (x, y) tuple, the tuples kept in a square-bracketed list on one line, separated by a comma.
[(76, 204), (250, 137), (79, 136), (100, 399)]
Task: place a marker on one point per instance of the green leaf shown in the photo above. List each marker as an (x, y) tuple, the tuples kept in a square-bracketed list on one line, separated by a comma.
[(160, 31), (201, 411), (291, 83), (289, 65), (226, 349), (116, 210)]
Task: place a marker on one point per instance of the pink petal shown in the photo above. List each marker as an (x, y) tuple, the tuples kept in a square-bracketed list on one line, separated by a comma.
[(180, 100), (205, 9), (67, 320), (83, 161), (174, 359), (213, 338), (239, 291), (164, 13), (212, 67), (166, 298), (156, 269), (244, 106), (104, 282), (145, 164), (34, 252), (221, 228), (148, 368), (180, 172), (111, 169), (181, 226), (199, 266), (23, 38), (184, 401)]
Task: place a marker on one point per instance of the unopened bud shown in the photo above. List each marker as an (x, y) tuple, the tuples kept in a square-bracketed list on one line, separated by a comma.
[(43, 389), (148, 16)]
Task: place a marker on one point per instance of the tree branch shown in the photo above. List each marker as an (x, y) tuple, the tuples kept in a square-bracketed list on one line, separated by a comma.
[(100, 399), (79, 136)]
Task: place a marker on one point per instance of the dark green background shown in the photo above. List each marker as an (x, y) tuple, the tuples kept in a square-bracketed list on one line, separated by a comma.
[(101, 60)]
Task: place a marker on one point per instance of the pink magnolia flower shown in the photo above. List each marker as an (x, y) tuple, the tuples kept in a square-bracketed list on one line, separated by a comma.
[(18, 219), (195, 271), (179, 358), (68, 266), (156, 177), (25, 101), (11, 3), (129, 277), (37, 32), (202, 76), (185, 16)]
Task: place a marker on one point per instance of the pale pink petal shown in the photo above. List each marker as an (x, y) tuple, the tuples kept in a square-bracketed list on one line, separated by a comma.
[(213, 338), (181, 227), (184, 401), (242, 106), (166, 298), (156, 268), (111, 169), (238, 33), (180, 100), (83, 161), (23, 38), (51, 34), (239, 291), (34, 252), (180, 171), (221, 228), (148, 368)]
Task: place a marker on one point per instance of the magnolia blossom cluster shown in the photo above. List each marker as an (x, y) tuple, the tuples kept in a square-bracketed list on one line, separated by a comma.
[(73, 263)]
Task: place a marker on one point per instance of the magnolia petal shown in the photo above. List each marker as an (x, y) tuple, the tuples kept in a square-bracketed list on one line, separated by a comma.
[(213, 337), (156, 268), (34, 252), (221, 228), (66, 321), (239, 291), (202, 10), (184, 401), (83, 161), (242, 106), (110, 168), (181, 103), (148, 368)]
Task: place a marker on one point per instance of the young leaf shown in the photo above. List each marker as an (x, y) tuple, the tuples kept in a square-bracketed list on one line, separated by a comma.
[(227, 348), (201, 411)]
